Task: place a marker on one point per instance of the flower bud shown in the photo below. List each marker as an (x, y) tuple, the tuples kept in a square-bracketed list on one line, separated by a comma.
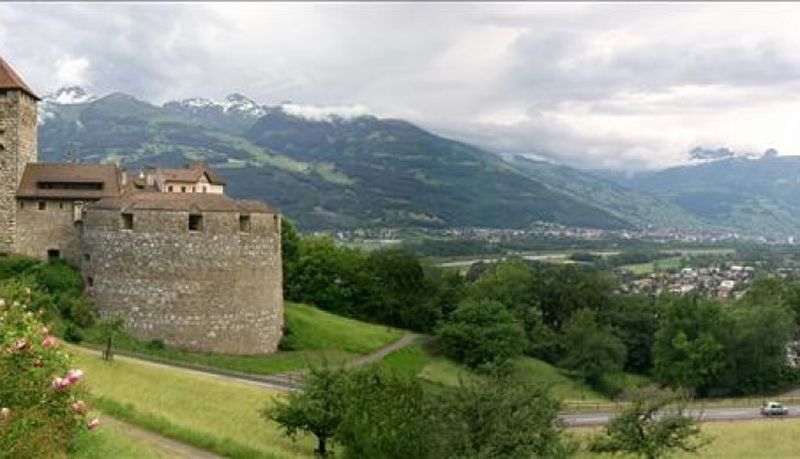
[(93, 424), (49, 341)]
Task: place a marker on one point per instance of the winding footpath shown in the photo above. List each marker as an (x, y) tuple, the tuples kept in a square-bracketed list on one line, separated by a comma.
[(174, 448)]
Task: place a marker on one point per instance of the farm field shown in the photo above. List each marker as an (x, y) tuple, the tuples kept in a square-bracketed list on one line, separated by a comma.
[(646, 268)]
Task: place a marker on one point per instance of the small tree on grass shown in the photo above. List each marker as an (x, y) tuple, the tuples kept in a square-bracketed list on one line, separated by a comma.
[(481, 333), (41, 410), (385, 417), (651, 428), (316, 410), (109, 329), (499, 417)]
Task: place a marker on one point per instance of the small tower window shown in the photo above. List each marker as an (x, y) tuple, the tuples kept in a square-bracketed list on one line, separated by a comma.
[(90, 281), (87, 257), (183, 189), (53, 254), (169, 188), (244, 223), (127, 221), (195, 222), (42, 205)]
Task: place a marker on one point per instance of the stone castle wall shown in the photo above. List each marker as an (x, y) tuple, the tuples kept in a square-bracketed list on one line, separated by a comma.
[(217, 290), (17, 148), (51, 228)]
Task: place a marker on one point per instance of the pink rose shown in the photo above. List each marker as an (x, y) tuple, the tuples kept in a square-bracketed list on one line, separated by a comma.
[(60, 383), (74, 375), (79, 407), (93, 424), (50, 341)]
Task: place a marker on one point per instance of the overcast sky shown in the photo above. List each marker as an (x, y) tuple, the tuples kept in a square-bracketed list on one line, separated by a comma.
[(595, 85)]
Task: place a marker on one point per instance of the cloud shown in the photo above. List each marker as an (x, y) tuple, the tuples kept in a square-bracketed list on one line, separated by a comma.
[(72, 71), (595, 85)]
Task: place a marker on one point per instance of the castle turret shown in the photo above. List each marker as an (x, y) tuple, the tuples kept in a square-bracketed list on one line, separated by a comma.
[(17, 145)]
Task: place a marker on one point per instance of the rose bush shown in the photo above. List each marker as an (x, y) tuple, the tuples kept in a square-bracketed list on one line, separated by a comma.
[(41, 395)]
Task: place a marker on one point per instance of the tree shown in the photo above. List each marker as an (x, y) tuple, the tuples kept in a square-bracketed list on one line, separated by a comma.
[(498, 417), (635, 320), (650, 428), (330, 277), (400, 293), (290, 248), (481, 332), (385, 417), (316, 410), (109, 328), (689, 350), (592, 350), (564, 289)]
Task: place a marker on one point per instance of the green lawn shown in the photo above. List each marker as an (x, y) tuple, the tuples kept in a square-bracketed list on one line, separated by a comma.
[(201, 410), (314, 335), (758, 439), (111, 441)]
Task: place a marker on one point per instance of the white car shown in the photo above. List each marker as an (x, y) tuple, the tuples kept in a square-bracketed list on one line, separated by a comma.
[(774, 409)]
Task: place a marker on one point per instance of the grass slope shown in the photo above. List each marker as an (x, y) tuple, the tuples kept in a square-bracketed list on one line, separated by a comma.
[(205, 411), (417, 361), (764, 438), (314, 336), (111, 441)]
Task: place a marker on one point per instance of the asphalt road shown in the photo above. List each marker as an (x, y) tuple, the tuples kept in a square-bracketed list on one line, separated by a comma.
[(706, 415)]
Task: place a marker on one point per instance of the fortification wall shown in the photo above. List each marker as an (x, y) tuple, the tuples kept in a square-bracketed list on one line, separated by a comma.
[(51, 228), (17, 148), (218, 289)]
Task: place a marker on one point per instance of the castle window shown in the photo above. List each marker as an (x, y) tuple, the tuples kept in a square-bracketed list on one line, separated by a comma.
[(87, 257), (169, 188), (22, 204), (42, 205), (244, 223), (193, 189), (195, 222), (127, 221), (53, 254), (60, 205), (183, 189), (205, 189), (90, 281)]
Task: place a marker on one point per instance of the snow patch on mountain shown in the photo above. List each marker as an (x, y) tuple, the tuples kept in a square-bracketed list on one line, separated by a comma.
[(234, 103), (325, 113)]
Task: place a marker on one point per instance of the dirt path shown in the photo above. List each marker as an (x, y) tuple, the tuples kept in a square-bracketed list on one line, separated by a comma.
[(296, 376), (173, 448)]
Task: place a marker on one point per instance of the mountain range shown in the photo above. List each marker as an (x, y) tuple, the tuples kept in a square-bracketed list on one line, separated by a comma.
[(333, 171)]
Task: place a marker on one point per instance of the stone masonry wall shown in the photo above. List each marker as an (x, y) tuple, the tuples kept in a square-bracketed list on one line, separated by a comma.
[(216, 290), (40, 230), (17, 148)]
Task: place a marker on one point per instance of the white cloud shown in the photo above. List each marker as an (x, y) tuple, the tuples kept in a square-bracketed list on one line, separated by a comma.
[(315, 113), (595, 85), (72, 71)]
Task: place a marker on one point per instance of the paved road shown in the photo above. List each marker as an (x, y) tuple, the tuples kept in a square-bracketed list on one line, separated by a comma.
[(707, 415)]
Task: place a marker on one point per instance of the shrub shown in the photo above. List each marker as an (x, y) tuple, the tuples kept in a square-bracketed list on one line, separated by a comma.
[(480, 333), (40, 397)]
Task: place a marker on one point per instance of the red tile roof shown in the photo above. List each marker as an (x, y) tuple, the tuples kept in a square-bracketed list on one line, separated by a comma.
[(53, 180), (9, 79)]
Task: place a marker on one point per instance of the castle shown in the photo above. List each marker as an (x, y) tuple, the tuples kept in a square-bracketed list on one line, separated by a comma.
[(165, 249)]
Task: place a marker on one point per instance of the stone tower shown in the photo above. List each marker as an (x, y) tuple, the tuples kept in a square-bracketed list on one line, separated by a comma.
[(17, 145)]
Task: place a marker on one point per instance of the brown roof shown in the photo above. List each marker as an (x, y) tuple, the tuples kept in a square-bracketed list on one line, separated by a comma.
[(182, 202), (9, 79), (54, 180), (189, 175)]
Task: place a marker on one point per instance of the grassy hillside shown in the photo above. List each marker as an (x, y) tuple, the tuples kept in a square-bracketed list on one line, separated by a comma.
[(314, 336), (417, 361), (201, 410)]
